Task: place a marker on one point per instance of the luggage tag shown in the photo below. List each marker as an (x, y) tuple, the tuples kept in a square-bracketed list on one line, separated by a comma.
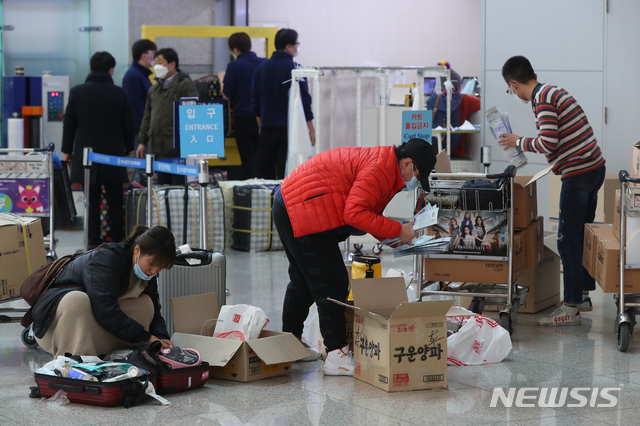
[(151, 391), (186, 249)]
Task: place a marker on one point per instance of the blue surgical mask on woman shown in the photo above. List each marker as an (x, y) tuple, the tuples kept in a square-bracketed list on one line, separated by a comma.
[(139, 273)]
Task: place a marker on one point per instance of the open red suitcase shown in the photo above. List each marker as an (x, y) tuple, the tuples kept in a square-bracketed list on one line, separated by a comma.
[(127, 392), (182, 379)]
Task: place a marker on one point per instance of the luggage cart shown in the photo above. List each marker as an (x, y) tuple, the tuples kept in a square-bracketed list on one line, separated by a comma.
[(449, 194), (29, 167), (628, 304)]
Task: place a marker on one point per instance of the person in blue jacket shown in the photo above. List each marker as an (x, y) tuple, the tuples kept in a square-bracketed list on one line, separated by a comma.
[(270, 103), (236, 88)]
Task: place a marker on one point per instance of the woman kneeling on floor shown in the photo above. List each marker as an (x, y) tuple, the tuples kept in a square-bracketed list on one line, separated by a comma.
[(107, 298)]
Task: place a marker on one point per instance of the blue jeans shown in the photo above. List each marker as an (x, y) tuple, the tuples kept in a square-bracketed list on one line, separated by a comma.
[(578, 200)]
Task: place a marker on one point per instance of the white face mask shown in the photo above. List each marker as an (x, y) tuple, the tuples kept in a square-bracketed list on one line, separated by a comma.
[(411, 185), (161, 71), (513, 92), (234, 55), (297, 51), (152, 63)]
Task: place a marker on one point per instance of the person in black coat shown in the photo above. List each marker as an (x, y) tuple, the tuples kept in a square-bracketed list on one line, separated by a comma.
[(99, 116), (107, 298)]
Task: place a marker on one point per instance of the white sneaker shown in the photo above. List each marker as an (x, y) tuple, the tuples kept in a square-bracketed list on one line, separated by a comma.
[(339, 362), (586, 305), (564, 315), (313, 355)]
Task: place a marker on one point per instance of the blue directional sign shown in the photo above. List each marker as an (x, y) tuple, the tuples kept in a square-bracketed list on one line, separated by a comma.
[(201, 130), (416, 124)]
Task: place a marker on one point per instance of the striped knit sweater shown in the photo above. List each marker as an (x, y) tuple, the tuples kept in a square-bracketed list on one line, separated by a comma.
[(565, 136)]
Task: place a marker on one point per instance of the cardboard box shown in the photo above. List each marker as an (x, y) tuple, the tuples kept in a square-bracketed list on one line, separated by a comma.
[(553, 224), (477, 271), (269, 355), (399, 346), (607, 267), (533, 243), (22, 252), (592, 231), (525, 197), (606, 196), (543, 282)]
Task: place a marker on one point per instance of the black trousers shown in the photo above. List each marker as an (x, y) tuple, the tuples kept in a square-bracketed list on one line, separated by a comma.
[(115, 199), (272, 153), (247, 134), (316, 271)]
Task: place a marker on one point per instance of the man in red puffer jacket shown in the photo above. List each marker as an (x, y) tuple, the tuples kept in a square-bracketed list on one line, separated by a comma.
[(333, 195)]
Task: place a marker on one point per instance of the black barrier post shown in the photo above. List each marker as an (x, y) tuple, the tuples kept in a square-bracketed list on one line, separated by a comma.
[(86, 163), (149, 172), (203, 180)]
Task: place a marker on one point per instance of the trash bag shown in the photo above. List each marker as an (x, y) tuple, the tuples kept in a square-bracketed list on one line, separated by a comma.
[(481, 340)]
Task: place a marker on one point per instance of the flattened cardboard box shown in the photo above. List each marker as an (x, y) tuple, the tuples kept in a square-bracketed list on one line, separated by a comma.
[(22, 252), (399, 346), (473, 271), (590, 244), (269, 355), (607, 267)]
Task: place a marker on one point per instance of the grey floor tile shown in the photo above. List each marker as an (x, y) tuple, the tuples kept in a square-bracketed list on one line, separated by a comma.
[(619, 417), (552, 421), (329, 413)]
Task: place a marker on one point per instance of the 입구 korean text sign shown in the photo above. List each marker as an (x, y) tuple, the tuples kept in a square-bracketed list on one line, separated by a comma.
[(416, 124), (201, 130)]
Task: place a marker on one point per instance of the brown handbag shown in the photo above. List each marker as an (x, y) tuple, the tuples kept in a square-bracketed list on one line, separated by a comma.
[(40, 281)]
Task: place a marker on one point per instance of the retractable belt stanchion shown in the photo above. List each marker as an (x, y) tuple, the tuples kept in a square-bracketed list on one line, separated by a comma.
[(149, 172), (86, 163), (203, 180)]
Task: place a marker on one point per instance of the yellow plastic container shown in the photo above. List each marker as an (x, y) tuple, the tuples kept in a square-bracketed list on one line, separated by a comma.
[(365, 267)]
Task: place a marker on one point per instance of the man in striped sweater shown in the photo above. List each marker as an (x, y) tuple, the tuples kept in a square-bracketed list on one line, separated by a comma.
[(566, 138)]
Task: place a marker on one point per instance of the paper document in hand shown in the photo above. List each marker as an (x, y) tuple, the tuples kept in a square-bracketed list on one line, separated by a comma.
[(426, 217), (499, 124)]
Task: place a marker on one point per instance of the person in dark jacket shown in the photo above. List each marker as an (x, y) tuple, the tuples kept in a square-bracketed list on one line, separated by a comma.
[(107, 298), (236, 88), (270, 103), (156, 130), (98, 115), (136, 80)]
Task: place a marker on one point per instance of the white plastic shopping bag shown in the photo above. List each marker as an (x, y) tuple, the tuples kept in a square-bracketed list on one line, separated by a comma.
[(481, 340), (240, 322), (299, 149)]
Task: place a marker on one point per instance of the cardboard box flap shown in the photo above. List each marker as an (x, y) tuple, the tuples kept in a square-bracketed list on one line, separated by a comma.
[(12, 219), (274, 348), (436, 308), (194, 314), (217, 352), (379, 295)]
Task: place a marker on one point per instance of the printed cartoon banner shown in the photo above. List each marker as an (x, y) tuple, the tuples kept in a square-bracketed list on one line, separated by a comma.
[(477, 233), (24, 196)]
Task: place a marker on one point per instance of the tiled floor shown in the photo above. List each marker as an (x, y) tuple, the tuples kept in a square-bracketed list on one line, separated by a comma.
[(571, 357)]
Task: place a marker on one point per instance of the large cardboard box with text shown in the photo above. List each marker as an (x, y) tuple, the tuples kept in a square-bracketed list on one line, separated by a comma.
[(271, 354), (593, 231), (398, 346), (22, 252), (534, 243), (607, 266), (477, 271)]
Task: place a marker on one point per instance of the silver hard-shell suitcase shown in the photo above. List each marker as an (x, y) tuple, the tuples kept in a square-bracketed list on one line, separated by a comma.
[(189, 280)]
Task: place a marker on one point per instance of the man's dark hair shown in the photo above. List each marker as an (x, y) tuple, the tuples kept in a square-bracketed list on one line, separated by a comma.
[(285, 37), (518, 68), (170, 55), (240, 41), (140, 47), (102, 62)]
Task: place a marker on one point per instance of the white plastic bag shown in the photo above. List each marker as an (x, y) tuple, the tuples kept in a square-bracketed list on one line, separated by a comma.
[(299, 149), (240, 322), (480, 341)]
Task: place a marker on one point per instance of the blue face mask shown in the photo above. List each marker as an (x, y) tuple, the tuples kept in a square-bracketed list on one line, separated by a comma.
[(139, 273), (411, 185)]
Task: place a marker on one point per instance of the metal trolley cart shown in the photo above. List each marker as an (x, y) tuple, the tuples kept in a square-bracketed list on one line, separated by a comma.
[(628, 304), (27, 174), (449, 192)]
